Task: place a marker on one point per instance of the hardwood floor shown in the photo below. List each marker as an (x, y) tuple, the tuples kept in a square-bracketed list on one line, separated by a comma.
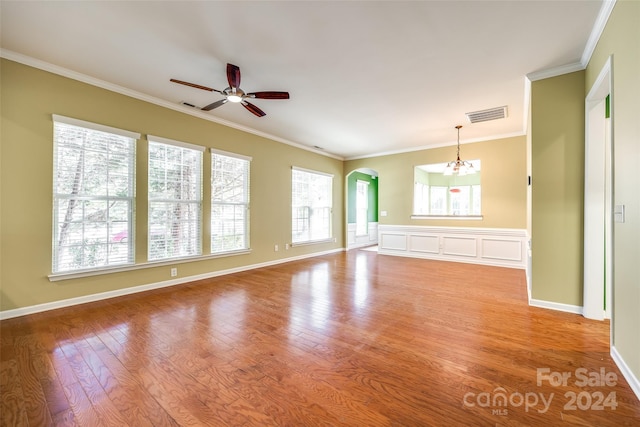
[(350, 339)]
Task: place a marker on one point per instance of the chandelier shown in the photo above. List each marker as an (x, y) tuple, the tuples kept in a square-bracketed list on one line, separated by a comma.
[(459, 167)]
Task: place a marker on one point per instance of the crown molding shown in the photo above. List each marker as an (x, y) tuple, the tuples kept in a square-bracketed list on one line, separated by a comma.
[(64, 72), (592, 41), (432, 146), (555, 71), (596, 32)]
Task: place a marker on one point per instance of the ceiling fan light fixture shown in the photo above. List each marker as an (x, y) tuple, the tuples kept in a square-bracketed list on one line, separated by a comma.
[(234, 94)]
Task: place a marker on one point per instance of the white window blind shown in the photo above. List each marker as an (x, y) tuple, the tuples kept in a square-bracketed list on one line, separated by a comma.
[(312, 202), (175, 199), (229, 202), (93, 195)]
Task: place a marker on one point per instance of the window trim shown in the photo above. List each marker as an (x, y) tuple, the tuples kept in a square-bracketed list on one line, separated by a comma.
[(55, 277), (247, 204), (331, 237), (230, 154), (95, 126), (465, 217), (439, 216), (133, 266), (91, 126), (198, 148), (167, 141), (297, 168)]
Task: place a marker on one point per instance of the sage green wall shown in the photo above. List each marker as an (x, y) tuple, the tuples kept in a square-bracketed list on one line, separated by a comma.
[(503, 176), (621, 38), (372, 214), (29, 98), (440, 179), (421, 176), (557, 167)]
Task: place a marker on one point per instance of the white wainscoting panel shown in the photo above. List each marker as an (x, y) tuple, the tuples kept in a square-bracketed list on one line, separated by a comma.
[(459, 246), (354, 241), (392, 241), (373, 232), (503, 247), (425, 243), (507, 249)]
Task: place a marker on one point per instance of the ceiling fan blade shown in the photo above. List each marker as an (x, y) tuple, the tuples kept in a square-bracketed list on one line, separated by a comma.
[(233, 76), (255, 110), (215, 105), (195, 85), (269, 95)]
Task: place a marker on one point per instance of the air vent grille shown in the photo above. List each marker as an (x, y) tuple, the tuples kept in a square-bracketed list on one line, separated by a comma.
[(486, 115)]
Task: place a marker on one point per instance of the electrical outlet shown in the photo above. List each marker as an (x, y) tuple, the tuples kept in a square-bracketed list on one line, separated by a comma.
[(275, 248), (174, 272), (286, 246)]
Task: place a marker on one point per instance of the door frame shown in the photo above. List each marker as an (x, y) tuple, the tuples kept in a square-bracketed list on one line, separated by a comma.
[(598, 199)]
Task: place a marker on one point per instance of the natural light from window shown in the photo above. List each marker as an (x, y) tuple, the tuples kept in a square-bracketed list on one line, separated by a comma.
[(311, 205), (93, 195), (437, 195), (229, 202), (175, 200)]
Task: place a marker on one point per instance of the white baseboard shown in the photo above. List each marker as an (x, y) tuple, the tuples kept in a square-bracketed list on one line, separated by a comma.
[(575, 309), (8, 314), (633, 381), (361, 245)]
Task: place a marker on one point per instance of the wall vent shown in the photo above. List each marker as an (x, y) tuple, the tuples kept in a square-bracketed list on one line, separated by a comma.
[(486, 115)]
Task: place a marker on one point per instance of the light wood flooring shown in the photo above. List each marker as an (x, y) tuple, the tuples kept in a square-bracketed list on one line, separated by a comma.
[(349, 339)]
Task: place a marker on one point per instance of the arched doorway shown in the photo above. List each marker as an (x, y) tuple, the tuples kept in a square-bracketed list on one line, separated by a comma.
[(362, 208)]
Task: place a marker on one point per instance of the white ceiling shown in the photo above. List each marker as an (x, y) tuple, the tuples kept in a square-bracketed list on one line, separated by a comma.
[(364, 77)]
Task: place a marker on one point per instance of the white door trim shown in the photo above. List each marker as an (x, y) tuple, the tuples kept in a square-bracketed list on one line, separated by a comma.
[(598, 240)]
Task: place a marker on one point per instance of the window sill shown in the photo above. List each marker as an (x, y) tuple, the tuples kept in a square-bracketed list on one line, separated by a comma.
[(55, 277), (457, 217), (313, 242)]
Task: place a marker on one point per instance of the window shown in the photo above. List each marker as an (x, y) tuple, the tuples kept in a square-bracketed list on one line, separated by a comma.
[(93, 195), (420, 198), (435, 194), (229, 202), (459, 200), (362, 208), (175, 199), (311, 203), (437, 201), (475, 199)]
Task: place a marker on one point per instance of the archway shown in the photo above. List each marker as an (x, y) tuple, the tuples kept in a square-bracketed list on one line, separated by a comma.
[(362, 208)]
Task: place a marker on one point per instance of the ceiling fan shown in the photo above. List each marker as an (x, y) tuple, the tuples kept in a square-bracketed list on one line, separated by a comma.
[(234, 94)]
